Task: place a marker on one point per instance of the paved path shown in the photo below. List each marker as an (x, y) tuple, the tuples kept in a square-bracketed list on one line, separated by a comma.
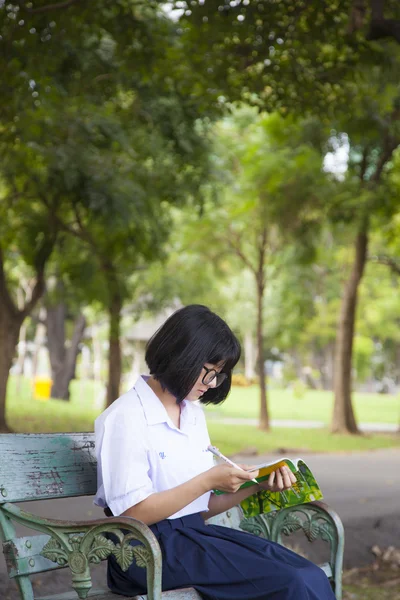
[(363, 487), (378, 427)]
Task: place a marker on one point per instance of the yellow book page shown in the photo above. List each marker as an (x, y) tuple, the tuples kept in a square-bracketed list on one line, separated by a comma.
[(268, 469)]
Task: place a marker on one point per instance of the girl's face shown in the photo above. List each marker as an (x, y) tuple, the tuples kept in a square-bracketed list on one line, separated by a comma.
[(209, 377)]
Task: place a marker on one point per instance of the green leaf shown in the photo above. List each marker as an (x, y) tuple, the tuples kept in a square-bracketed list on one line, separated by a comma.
[(124, 555), (102, 547), (142, 556)]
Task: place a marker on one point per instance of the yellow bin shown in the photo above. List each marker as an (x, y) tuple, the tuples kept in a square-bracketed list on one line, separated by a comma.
[(42, 388)]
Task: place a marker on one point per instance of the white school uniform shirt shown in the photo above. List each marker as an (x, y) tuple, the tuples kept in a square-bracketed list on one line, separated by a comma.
[(141, 452)]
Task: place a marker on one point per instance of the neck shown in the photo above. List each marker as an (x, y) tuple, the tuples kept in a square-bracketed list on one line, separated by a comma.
[(164, 396)]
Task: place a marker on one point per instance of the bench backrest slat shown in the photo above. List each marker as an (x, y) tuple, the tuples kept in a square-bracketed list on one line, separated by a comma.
[(44, 466), (23, 556)]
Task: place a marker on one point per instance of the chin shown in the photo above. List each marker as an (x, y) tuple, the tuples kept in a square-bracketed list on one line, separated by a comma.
[(194, 396)]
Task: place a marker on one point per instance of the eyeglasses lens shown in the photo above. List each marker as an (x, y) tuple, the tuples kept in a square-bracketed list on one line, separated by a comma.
[(213, 375)]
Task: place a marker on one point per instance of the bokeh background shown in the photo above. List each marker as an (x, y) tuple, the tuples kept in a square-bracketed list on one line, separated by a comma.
[(240, 154)]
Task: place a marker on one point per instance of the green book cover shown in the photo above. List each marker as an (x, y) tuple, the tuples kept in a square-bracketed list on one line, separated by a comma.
[(306, 489)]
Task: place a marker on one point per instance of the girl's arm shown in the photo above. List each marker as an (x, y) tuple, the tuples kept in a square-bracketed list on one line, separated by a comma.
[(161, 505), (220, 503), (278, 481)]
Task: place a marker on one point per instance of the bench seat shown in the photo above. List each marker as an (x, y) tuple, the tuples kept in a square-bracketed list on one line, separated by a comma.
[(183, 594), (47, 466)]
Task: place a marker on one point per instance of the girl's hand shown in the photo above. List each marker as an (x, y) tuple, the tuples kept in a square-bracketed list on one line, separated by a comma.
[(228, 479), (280, 480)]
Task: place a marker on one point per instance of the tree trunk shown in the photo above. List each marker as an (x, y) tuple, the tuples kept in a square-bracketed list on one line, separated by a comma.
[(97, 368), (21, 356), (10, 325), (331, 365), (62, 359), (249, 356), (114, 357), (38, 341), (343, 416), (11, 319), (264, 417), (397, 365), (55, 329)]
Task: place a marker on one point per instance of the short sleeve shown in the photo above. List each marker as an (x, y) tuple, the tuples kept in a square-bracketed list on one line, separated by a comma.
[(124, 464)]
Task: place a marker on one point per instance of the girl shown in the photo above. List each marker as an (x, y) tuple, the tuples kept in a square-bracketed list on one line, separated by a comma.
[(153, 465)]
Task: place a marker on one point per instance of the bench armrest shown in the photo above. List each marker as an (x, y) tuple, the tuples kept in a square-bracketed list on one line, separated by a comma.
[(77, 543), (317, 521)]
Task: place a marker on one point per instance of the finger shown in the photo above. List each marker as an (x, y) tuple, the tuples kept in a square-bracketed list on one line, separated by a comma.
[(287, 482), (248, 476), (271, 479), (245, 474), (291, 475), (249, 467), (242, 476), (253, 474), (279, 481)]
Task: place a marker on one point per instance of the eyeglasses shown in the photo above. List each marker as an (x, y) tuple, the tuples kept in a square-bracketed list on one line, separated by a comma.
[(212, 374)]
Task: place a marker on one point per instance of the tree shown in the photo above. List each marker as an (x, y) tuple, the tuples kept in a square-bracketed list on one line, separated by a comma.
[(374, 136), (31, 239), (120, 214), (294, 57), (91, 144), (269, 176), (302, 311), (63, 357)]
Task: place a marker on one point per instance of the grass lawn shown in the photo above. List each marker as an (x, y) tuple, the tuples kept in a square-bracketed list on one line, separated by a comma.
[(28, 415), (243, 402), (25, 414), (369, 592), (232, 439), (378, 581)]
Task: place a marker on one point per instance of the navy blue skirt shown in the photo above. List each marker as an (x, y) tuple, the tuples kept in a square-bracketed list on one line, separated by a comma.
[(224, 564)]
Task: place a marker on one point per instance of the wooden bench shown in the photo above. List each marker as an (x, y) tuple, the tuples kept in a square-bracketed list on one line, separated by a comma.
[(44, 466)]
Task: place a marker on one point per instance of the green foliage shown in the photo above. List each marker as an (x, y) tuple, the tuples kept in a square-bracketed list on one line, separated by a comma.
[(363, 352), (285, 56), (299, 389), (99, 137)]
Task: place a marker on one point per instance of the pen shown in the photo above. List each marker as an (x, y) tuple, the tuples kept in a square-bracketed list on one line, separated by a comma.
[(216, 452)]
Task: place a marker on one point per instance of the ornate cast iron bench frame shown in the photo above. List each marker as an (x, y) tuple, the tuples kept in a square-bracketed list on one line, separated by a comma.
[(45, 466)]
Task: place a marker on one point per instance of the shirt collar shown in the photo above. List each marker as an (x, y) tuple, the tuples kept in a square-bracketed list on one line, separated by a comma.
[(154, 409)]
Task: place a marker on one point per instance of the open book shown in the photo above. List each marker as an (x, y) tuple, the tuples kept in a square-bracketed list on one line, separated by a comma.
[(306, 489)]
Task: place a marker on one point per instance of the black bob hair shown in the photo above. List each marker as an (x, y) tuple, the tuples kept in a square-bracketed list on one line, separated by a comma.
[(190, 338)]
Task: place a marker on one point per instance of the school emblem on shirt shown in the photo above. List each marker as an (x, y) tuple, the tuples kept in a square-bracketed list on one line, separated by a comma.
[(162, 455)]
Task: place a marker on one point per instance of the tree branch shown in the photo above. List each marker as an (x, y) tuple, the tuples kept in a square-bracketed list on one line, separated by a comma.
[(81, 233), (234, 242), (390, 262), (357, 15), (378, 27), (389, 148), (40, 265), (377, 8), (364, 164), (261, 259), (381, 27), (5, 296)]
